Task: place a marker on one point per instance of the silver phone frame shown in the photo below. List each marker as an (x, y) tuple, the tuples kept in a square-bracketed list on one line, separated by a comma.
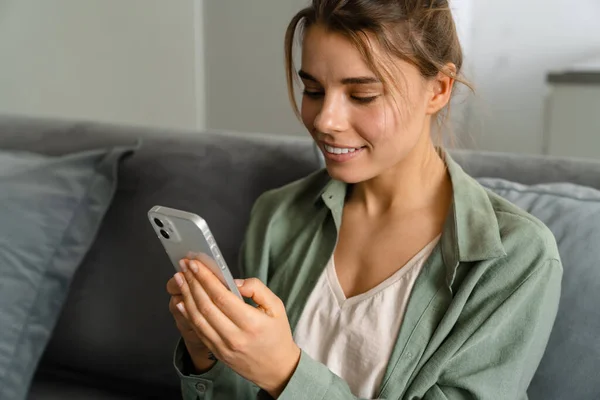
[(202, 225)]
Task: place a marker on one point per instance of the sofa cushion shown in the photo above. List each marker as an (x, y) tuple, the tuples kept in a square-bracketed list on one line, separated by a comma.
[(51, 210), (56, 390), (529, 169), (569, 368), (75, 387)]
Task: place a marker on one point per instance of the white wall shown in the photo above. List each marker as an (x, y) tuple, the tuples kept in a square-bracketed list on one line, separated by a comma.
[(574, 110), (460, 106), (246, 87), (131, 61), (463, 17), (514, 44)]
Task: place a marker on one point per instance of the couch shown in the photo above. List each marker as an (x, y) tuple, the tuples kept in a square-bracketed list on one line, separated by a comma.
[(115, 337)]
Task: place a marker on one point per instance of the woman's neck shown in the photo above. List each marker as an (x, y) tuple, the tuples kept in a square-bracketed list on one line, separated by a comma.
[(420, 181)]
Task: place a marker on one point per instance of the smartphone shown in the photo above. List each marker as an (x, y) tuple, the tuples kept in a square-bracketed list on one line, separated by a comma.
[(186, 235)]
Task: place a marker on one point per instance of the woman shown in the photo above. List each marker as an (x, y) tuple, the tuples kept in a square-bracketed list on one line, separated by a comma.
[(391, 274)]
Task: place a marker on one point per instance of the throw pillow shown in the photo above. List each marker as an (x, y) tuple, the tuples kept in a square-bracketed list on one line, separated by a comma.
[(51, 209)]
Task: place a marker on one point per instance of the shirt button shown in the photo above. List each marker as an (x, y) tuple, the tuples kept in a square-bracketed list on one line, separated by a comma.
[(201, 387)]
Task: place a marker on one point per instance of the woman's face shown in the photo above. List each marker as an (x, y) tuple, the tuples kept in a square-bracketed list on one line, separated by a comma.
[(357, 124)]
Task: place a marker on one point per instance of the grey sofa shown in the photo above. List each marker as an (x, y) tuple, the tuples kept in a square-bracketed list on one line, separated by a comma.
[(115, 336)]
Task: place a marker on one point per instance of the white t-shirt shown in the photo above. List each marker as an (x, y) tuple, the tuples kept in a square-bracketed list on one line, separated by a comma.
[(355, 337)]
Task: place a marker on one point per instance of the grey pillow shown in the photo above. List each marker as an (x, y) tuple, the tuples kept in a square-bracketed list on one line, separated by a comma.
[(569, 368), (51, 208)]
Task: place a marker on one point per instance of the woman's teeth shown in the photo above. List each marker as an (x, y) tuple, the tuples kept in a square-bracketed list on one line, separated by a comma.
[(339, 150)]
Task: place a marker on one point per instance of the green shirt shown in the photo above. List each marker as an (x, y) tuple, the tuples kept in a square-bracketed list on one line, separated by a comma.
[(478, 318)]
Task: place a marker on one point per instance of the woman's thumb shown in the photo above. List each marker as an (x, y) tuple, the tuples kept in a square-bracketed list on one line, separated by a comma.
[(264, 298)]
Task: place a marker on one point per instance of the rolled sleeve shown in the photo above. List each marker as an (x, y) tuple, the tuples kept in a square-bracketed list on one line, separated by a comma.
[(194, 387), (311, 380)]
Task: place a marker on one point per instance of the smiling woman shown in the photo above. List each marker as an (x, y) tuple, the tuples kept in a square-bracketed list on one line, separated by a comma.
[(391, 273), (383, 81)]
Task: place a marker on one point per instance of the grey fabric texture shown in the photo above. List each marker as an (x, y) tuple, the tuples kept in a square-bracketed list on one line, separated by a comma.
[(529, 169), (51, 210), (569, 368), (72, 386), (57, 390)]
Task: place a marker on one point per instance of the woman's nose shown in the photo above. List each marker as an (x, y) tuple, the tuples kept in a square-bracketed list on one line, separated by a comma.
[(332, 117)]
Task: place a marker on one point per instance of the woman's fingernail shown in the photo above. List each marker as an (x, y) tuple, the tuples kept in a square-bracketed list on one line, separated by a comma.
[(179, 280), (181, 307), (183, 265), (194, 266), (239, 282)]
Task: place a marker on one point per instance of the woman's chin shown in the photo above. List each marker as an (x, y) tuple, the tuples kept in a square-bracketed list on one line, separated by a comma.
[(348, 167), (346, 174)]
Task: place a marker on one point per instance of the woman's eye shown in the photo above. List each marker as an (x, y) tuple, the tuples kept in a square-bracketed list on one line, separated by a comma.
[(365, 99), (313, 94)]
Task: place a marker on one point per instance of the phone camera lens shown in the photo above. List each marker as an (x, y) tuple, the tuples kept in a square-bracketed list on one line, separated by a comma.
[(158, 223), (164, 233)]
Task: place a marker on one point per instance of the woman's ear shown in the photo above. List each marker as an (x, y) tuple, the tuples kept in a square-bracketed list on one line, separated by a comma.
[(441, 89)]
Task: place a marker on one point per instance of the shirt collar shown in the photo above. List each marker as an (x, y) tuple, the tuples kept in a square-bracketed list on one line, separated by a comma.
[(471, 231)]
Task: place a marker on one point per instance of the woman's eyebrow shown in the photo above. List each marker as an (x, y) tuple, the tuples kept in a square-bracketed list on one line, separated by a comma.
[(359, 80), (306, 76)]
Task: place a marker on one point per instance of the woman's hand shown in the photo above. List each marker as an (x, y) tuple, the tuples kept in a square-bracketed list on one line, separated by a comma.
[(256, 343), (198, 351)]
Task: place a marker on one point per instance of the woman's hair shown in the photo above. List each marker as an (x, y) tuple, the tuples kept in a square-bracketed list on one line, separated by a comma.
[(421, 32)]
